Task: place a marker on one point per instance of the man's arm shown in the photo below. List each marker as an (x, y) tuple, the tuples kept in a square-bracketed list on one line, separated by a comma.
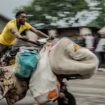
[(17, 34), (39, 33)]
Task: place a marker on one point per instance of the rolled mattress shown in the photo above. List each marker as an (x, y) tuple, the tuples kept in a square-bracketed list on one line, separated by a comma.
[(68, 58)]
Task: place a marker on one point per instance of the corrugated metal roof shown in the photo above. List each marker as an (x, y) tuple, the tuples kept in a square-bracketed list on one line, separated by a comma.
[(4, 18)]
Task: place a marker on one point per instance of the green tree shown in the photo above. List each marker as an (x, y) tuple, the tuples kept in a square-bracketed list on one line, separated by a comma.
[(100, 20), (45, 13)]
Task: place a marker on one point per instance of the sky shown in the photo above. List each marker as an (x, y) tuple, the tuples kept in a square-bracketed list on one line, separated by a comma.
[(7, 7)]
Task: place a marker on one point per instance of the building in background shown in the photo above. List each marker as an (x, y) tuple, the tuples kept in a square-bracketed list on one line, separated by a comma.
[(3, 21)]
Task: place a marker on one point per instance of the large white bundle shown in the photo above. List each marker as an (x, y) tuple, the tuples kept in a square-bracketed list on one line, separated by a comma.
[(66, 57), (43, 81)]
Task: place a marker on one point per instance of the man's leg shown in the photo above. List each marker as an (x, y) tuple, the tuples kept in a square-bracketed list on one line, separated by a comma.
[(2, 47)]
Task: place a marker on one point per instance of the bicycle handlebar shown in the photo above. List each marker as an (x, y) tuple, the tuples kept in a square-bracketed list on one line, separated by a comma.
[(36, 43)]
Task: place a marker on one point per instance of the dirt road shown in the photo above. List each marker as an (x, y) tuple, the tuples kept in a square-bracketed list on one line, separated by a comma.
[(87, 92), (90, 91)]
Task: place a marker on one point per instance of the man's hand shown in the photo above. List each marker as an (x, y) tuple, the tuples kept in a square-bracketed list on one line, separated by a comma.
[(50, 38)]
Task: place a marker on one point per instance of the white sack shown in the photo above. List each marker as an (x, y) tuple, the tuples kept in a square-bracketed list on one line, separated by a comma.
[(43, 80), (66, 57)]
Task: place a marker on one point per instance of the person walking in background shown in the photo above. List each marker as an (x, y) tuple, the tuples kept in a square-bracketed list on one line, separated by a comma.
[(88, 37), (100, 48)]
